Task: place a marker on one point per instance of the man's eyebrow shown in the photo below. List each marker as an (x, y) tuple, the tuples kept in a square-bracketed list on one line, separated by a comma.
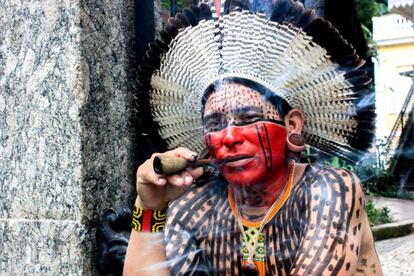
[(245, 109), (237, 110), (214, 115)]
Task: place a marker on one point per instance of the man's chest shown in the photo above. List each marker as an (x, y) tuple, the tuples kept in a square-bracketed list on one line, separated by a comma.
[(224, 246)]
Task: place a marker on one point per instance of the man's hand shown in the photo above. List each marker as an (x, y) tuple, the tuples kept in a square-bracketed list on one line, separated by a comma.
[(146, 251), (156, 191)]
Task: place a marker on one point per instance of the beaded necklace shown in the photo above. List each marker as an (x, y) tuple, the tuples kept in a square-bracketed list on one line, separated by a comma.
[(254, 240)]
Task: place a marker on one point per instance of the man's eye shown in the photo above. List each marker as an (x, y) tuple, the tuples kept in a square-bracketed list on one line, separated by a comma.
[(213, 126), (251, 117)]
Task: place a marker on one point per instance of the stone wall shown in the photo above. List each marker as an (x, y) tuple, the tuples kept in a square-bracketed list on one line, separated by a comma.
[(66, 76)]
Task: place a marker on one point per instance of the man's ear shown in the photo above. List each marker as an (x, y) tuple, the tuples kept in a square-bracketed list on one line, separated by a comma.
[(294, 121)]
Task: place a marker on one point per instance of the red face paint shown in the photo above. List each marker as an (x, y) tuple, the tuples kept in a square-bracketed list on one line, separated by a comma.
[(252, 154)]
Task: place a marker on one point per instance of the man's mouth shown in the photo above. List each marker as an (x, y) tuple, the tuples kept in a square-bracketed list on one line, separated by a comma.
[(237, 161)]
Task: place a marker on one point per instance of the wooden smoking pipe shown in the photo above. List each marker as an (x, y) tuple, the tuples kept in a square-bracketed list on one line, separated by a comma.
[(167, 165)]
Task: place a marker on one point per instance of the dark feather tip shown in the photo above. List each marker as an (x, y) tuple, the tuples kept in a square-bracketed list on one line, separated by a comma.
[(155, 49), (171, 29), (190, 16), (279, 11), (182, 19), (362, 80), (206, 11), (176, 23), (197, 12), (307, 17), (166, 37), (294, 12), (161, 45), (349, 62), (237, 5)]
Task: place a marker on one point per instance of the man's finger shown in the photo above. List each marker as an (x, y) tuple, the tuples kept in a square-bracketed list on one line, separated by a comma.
[(196, 172), (146, 175), (184, 153), (188, 178), (176, 180)]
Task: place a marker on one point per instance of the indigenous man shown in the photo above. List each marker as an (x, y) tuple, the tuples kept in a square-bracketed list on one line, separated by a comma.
[(241, 85)]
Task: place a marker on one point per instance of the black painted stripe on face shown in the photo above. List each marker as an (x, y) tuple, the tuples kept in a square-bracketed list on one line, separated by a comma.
[(210, 146), (263, 149), (268, 146)]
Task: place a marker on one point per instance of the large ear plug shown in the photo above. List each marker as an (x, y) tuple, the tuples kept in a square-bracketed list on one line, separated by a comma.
[(295, 142)]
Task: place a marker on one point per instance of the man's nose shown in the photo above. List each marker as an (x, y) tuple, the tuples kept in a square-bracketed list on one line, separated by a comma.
[(232, 136)]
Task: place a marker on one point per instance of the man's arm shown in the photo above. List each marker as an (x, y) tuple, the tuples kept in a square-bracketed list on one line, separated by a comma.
[(146, 255), (368, 262), (146, 251), (331, 242)]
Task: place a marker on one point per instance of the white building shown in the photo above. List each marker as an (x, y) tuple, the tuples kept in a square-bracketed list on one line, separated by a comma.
[(394, 36)]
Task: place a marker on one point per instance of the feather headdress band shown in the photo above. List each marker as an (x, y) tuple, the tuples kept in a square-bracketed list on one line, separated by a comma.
[(298, 56)]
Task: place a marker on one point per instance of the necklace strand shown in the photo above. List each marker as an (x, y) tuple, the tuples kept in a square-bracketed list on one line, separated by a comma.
[(283, 195)]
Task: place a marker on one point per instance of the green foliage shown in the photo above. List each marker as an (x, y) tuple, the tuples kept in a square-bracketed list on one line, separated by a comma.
[(395, 194), (308, 152), (373, 176), (313, 155), (180, 4), (371, 169), (377, 216), (339, 163), (366, 9)]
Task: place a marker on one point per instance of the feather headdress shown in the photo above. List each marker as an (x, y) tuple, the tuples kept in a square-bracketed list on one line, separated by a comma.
[(293, 53)]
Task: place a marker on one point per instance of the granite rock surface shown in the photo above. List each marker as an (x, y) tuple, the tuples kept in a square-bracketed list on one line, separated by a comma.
[(67, 71), (44, 247)]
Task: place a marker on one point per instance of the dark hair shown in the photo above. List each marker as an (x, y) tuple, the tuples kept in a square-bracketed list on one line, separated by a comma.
[(278, 102)]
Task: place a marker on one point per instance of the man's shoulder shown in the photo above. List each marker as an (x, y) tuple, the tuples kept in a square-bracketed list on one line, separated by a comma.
[(318, 173), (326, 180)]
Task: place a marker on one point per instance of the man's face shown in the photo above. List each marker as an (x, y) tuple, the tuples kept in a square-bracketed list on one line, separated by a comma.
[(246, 132)]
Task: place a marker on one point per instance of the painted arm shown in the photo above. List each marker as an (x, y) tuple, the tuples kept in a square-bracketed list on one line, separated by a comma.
[(146, 251), (335, 225)]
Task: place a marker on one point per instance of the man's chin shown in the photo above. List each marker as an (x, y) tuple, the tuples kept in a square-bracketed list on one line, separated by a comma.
[(242, 179)]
